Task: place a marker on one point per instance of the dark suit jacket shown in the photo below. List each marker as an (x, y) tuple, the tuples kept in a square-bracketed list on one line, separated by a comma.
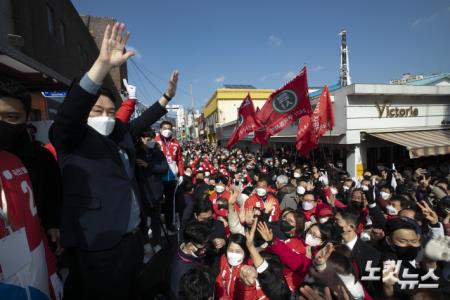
[(362, 253), (97, 188)]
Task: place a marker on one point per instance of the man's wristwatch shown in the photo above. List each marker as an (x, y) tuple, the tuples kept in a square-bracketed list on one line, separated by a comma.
[(167, 97)]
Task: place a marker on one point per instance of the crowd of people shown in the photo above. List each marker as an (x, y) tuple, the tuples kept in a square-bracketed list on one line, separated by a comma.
[(111, 209)]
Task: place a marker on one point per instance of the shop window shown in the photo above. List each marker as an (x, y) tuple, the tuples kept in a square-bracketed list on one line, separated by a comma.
[(51, 20), (62, 32)]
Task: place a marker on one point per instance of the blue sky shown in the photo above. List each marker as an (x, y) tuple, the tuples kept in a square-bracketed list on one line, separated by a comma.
[(263, 43)]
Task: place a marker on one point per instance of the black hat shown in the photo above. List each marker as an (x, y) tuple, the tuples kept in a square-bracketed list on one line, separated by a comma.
[(402, 223)]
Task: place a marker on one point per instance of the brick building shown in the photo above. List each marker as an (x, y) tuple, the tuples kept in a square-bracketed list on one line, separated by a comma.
[(44, 44)]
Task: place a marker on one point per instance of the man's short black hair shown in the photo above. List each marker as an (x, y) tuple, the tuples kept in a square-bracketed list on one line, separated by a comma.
[(148, 133), (13, 89), (350, 215), (165, 123), (197, 284), (202, 205), (108, 93), (196, 232)]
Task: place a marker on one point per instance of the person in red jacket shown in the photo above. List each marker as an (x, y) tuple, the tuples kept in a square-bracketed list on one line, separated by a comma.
[(231, 264), (27, 263), (262, 200), (173, 152)]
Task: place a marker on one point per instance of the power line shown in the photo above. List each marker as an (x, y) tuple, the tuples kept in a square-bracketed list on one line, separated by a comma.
[(161, 78), (146, 77)]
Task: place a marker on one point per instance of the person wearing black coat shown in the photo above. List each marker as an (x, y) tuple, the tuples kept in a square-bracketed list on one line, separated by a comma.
[(101, 210), (151, 166)]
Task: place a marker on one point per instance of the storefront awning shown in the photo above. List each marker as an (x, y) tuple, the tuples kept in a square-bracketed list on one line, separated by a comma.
[(420, 143)]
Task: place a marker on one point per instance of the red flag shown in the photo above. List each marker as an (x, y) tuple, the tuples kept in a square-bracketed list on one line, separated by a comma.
[(260, 135), (246, 122), (286, 105), (323, 116), (303, 141)]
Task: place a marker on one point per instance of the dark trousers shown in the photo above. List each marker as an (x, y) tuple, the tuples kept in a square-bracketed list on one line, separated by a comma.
[(169, 199), (108, 274), (155, 216)]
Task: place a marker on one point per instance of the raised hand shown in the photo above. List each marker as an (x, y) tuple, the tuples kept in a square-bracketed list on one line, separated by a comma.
[(131, 89), (112, 52), (113, 46), (265, 232), (269, 205), (248, 275), (234, 194), (428, 212), (323, 254), (250, 235), (172, 88)]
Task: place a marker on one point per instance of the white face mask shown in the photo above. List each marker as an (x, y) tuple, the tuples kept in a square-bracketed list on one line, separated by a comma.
[(235, 259), (391, 210), (187, 173), (324, 220), (365, 236), (103, 125), (312, 241), (385, 195), (207, 174), (306, 205), (301, 190), (334, 191), (297, 175), (261, 192), (365, 188), (220, 188), (345, 188), (167, 133)]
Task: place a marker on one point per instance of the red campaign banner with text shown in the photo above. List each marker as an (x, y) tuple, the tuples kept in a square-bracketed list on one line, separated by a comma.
[(246, 122), (286, 105), (260, 135), (323, 117), (303, 141)]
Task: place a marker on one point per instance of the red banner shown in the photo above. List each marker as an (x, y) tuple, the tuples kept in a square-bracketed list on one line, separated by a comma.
[(286, 105), (246, 121), (303, 141), (323, 117)]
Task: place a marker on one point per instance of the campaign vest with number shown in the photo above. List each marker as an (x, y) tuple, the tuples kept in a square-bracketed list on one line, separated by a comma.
[(31, 282)]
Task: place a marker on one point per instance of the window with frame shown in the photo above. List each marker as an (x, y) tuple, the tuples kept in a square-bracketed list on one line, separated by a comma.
[(51, 20), (62, 32)]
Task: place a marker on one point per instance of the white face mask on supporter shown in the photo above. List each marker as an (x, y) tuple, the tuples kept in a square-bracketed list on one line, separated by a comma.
[(334, 191), (167, 133), (365, 188), (301, 190), (103, 125), (297, 175), (324, 220), (220, 188), (261, 192), (312, 241), (235, 259), (306, 205), (385, 195), (392, 211)]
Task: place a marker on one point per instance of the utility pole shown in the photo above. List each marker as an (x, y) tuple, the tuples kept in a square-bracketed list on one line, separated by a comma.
[(344, 68)]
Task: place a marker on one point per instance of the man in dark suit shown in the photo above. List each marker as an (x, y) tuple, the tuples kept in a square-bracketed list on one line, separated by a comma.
[(347, 219), (101, 210)]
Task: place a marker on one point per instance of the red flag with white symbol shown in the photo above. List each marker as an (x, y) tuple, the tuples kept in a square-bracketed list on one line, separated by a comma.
[(246, 122)]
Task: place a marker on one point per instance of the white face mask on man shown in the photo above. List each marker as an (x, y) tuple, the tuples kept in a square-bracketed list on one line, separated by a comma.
[(167, 133), (261, 192), (301, 190), (220, 189), (103, 124)]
